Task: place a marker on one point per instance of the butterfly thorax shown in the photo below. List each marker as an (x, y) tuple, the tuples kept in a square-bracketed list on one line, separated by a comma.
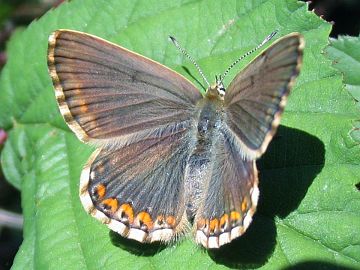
[(209, 111)]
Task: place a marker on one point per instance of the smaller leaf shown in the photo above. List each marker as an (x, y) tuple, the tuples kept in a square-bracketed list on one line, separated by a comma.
[(345, 53)]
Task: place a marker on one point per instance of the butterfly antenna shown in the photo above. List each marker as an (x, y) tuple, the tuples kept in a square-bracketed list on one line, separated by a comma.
[(181, 49), (268, 38)]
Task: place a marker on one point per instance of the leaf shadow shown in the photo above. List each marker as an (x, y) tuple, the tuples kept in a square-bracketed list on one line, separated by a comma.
[(317, 265), (135, 247), (293, 160)]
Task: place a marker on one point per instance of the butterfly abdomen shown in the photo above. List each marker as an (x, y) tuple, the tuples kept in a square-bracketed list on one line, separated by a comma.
[(200, 160)]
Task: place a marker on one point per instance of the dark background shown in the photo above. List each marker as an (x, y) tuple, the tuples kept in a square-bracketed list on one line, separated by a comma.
[(345, 14)]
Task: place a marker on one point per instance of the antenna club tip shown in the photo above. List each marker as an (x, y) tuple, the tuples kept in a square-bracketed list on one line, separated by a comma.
[(273, 33), (269, 37), (172, 38)]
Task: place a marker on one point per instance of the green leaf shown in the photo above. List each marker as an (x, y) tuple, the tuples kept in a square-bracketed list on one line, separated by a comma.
[(345, 53), (309, 209)]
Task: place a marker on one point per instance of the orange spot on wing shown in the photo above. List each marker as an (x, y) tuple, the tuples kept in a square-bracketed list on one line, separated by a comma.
[(101, 168), (84, 108), (201, 223), (243, 205), (170, 220), (100, 191), (128, 211), (160, 220), (145, 218), (111, 204), (234, 216), (214, 225), (224, 220)]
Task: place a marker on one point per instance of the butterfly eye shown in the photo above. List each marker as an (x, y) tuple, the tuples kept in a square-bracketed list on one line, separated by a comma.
[(221, 90), (220, 86)]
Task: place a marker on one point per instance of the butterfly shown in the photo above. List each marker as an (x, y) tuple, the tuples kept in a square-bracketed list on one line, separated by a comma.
[(168, 158)]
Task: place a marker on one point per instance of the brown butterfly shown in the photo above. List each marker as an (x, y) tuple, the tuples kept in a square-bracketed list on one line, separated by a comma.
[(166, 155)]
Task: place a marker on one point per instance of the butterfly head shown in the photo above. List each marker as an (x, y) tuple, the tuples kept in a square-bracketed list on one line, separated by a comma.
[(217, 90)]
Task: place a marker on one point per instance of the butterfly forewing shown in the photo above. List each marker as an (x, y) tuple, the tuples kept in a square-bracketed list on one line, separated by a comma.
[(256, 97), (105, 91), (138, 189)]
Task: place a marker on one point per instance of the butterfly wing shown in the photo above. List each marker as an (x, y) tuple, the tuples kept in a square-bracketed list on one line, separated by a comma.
[(105, 91), (230, 197), (255, 99), (137, 190), (253, 104), (140, 114)]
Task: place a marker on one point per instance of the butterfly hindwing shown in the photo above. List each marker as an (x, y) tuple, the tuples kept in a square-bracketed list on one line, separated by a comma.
[(105, 91), (255, 99), (229, 198), (138, 189)]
